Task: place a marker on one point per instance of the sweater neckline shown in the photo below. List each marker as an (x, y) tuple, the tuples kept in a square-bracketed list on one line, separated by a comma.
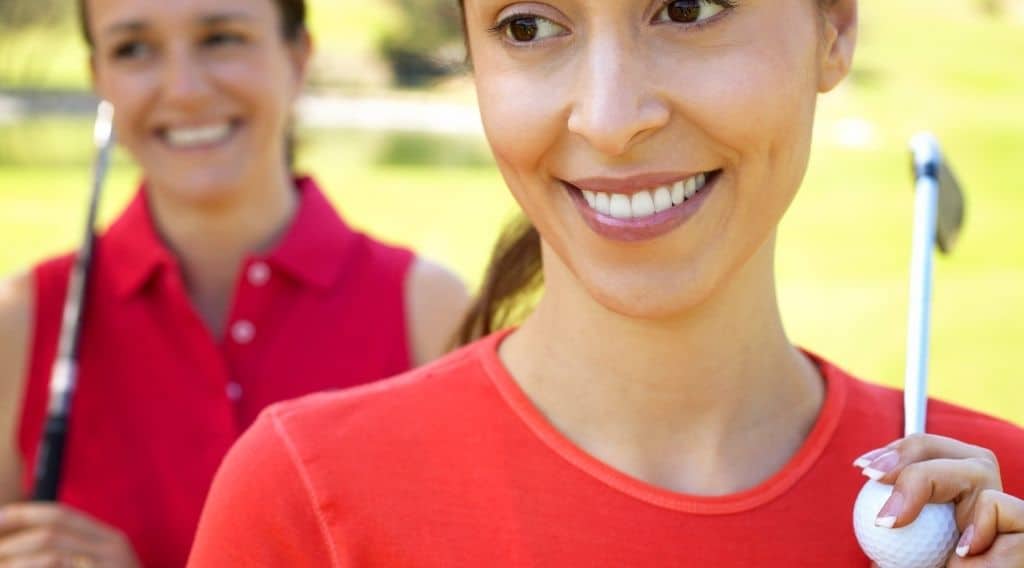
[(799, 464)]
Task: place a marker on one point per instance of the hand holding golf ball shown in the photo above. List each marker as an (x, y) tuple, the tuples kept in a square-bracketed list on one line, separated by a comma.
[(924, 488)]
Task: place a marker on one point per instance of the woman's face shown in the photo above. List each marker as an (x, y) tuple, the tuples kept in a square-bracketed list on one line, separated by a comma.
[(655, 145), (202, 89)]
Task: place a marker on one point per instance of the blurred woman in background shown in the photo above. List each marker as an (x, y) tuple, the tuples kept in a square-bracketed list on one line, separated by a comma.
[(651, 410), (227, 284)]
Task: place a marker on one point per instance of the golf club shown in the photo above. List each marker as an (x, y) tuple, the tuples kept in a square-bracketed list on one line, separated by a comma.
[(63, 377), (938, 218)]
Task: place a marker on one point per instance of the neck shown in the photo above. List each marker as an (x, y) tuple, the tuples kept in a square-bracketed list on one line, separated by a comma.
[(212, 238), (711, 401)]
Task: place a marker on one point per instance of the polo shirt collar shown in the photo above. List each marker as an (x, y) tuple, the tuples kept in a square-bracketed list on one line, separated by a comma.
[(317, 243), (312, 250), (132, 248)]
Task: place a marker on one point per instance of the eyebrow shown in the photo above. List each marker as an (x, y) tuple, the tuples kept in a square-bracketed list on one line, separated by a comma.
[(209, 20)]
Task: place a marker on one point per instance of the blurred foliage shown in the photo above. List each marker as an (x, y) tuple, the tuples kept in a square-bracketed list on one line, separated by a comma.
[(17, 14), (426, 44)]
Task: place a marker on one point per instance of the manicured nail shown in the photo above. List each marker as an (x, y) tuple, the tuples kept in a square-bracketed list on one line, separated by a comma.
[(964, 546), (892, 509), (865, 459), (882, 465)]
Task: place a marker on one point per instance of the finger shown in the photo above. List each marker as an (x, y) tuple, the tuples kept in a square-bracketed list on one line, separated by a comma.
[(20, 516), (995, 515), (42, 560), (1007, 550), (885, 464), (45, 539), (956, 481)]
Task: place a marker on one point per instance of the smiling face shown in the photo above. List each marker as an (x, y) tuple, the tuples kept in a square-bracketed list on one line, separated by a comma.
[(202, 89), (655, 145)]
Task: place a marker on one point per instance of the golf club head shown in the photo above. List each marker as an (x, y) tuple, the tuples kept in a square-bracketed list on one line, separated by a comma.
[(103, 130), (928, 161)]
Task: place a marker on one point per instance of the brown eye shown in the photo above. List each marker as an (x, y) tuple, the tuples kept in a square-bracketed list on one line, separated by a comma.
[(684, 11), (691, 11), (523, 29), (526, 28)]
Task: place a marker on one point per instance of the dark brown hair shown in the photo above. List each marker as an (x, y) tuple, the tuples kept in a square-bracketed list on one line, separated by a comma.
[(293, 25), (510, 285)]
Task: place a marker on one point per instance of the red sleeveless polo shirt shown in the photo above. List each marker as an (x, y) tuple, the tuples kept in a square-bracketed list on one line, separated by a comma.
[(160, 400)]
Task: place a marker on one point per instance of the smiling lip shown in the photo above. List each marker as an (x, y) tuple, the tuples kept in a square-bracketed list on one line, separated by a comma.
[(644, 228), (629, 185), (234, 125)]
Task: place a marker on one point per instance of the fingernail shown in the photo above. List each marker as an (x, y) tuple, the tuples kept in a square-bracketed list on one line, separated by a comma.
[(882, 465), (892, 509), (865, 459), (964, 546)]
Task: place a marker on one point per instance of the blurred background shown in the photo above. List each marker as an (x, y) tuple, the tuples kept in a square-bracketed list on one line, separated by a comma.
[(390, 128)]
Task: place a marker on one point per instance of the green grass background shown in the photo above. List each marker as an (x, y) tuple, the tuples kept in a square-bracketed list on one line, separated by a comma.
[(844, 247)]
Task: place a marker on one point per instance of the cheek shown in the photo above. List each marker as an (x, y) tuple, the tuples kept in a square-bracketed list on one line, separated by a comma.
[(754, 102), (131, 95), (747, 101), (522, 115)]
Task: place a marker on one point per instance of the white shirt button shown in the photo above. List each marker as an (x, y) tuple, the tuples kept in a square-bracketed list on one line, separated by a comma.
[(234, 391), (259, 273), (243, 331)]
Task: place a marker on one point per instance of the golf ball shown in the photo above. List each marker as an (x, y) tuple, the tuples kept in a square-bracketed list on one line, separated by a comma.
[(925, 543)]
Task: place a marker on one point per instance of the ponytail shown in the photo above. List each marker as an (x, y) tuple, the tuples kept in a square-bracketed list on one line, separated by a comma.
[(513, 278)]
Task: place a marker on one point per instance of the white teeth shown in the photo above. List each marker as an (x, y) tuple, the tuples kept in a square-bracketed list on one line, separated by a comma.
[(678, 192), (201, 136), (644, 203), (662, 199), (620, 206)]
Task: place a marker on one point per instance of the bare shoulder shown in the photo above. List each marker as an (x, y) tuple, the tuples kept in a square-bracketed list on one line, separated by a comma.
[(16, 299), (436, 301), (16, 308)]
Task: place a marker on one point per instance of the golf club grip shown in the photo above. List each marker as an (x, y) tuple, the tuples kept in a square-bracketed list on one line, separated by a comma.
[(915, 392), (50, 459)]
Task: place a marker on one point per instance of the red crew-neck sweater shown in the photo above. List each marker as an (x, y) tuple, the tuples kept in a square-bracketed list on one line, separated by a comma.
[(451, 465)]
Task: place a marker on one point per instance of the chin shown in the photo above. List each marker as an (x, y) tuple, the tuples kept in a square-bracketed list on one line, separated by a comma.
[(199, 186), (656, 296)]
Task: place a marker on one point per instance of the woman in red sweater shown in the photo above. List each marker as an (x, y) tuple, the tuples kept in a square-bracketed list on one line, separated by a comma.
[(651, 410), (229, 283)]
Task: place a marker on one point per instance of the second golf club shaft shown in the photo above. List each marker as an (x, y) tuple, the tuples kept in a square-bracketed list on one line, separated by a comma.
[(926, 205)]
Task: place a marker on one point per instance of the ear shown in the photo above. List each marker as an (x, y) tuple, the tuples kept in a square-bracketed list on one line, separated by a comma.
[(300, 51), (839, 40)]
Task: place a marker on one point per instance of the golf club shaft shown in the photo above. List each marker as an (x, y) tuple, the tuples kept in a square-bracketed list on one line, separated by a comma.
[(63, 378), (926, 204)]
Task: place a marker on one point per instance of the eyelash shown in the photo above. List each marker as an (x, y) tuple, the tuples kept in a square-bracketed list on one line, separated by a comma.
[(499, 28), (220, 38), (727, 6), (127, 49)]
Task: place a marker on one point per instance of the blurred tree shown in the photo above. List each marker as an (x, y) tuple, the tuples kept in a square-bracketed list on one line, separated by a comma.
[(1000, 8), (16, 14), (426, 44)]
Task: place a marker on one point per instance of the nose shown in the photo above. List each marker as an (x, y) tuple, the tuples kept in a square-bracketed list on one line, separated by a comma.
[(615, 105), (184, 79)]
